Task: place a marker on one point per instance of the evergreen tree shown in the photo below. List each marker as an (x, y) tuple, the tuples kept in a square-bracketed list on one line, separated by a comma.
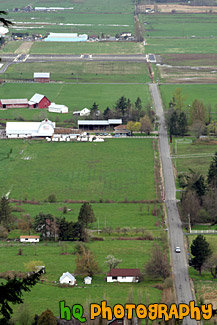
[(94, 110), (86, 214), (122, 105), (212, 172), (182, 124), (201, 252), (107, 113), (138, 104), (172, 122), (5, 212)]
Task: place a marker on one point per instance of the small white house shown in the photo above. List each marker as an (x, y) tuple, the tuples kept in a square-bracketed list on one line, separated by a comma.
[(87, 280), (84, 112), (29, 239), (123, 275), (56, 108), (67, 278)]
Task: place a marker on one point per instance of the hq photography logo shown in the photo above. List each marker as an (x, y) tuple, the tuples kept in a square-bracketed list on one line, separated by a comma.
[(152, 311)]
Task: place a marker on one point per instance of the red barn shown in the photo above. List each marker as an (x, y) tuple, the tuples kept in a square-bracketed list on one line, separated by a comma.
[(39, 101), (13, 103), (42, 76)]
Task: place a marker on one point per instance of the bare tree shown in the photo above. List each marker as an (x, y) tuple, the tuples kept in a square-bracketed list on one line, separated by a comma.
[(158, 265)]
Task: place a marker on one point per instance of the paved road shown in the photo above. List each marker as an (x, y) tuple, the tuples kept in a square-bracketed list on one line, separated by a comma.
[(179, 261), (57, 58)]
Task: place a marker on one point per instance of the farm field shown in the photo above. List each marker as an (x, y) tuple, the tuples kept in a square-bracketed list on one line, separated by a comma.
[(205, 93), (184, 45), (180, 59), (131, 215), (79, 171), (196, 155), (179, 25), (74, 72), (87, 48), (47, 295), (75, 96)]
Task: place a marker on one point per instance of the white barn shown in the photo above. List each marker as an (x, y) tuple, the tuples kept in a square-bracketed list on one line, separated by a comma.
[(123, 275), (84, 112), (67, 278), (56, 108), (30, 129), (29, 239)]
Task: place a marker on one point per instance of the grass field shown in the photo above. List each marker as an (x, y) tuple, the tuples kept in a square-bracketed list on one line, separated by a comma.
[(121, 72), (196, 155), (107, 214), (87, 47), (133, 254), (205, 93), (179, 25), (75, 96), (115, 170)]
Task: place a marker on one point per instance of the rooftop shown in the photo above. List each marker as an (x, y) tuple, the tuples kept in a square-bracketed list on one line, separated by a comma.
[(124, 272)]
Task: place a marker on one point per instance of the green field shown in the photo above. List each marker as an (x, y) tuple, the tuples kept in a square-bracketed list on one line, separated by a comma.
[(87, 48), (115, 170), (179, 25), (196, 155), (75, 96), (74, 72), (135, 215), (47, 295), (205, 93)]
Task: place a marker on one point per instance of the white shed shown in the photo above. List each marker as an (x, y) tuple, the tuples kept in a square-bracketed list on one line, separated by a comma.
[(67, 278), (56, 108), (88, 280), (29, 239), (84, 112)]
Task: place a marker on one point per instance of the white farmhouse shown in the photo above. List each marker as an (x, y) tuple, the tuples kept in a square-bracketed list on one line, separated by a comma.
[(87, 280), (123, 275), (56, 108), (29, 239), (30, 129), (67, 278)]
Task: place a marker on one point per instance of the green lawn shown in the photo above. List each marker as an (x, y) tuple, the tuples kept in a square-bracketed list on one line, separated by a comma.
[(87, 48), (205, 93), (75, 96), (74, 72), (114, 170)]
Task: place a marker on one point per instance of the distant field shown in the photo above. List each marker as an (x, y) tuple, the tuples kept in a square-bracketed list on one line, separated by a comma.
[(47, 295), (196, 155), (194, 45), (114, 170), (113, 215), (87, 47), (180, 25), (206, 93), (181, 59), (82, 71), (75, 96)]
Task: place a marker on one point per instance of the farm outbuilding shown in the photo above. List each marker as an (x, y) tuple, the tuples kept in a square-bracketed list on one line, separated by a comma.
[(13, 103), (30, 129), (56, 108), (121, 130), (123, 275), (84, 112), (39, 101), (29, 239), (66, 37), (98, 124), (67, 278), (42, 76), (88, 280)]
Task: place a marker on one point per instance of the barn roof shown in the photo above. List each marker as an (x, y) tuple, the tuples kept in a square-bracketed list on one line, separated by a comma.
[(41, 74), (36, 99), (124, 272), (14, 101), (100, 122), (31, 237)]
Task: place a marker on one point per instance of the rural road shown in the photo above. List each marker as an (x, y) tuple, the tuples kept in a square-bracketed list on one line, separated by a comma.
[(57, 58), (179, 261)]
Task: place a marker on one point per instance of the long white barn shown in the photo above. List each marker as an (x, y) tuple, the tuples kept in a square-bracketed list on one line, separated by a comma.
[(30, 129)]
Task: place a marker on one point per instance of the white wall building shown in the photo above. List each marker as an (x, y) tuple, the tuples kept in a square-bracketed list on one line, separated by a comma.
[(29, 239), (84, 112), (67, 278), (87, 280), (56, 108), (123, 275), (30, 129)]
